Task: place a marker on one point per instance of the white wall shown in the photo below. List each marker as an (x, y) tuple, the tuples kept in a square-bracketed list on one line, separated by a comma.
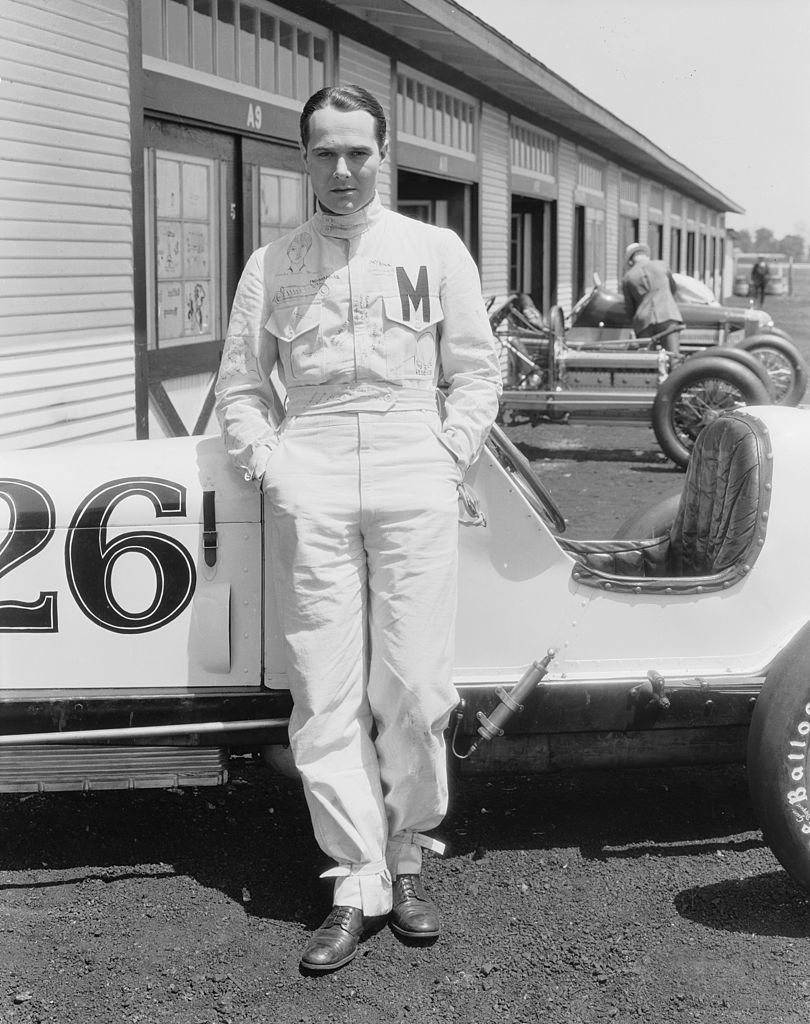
[(66, 299)]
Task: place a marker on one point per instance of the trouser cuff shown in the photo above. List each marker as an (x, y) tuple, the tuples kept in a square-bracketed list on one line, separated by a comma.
[(365, 886), (404, 852)]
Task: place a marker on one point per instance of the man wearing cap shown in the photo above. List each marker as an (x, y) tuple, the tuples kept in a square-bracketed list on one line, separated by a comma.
[(649, 295)]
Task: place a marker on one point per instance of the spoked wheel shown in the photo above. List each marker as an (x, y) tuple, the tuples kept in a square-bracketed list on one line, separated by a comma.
[(523, 476), (694, 395), (784, 363), (739, 355)]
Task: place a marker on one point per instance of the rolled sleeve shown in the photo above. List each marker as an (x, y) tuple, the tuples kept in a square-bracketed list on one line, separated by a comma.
[(244, 395), (469, 357)]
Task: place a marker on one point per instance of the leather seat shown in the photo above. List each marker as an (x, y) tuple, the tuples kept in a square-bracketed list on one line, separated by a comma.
[(719, 526), (722, 499)]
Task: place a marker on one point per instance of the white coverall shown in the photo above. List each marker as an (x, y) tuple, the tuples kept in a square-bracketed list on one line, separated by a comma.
[(362, 313)]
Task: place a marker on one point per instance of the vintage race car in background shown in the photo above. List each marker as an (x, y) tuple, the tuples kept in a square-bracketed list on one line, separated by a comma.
[(139, 638), (595, 368)]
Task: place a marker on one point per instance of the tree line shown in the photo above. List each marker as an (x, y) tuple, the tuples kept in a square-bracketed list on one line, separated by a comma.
[(764, 240)]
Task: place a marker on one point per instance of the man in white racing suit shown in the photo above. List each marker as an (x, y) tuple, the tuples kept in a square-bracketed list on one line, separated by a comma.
[(361, 310)]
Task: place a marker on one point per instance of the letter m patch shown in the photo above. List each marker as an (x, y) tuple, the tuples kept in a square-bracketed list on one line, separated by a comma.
[(414, 296)]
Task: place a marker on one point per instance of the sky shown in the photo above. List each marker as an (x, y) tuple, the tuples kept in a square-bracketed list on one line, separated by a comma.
[(723, 86)]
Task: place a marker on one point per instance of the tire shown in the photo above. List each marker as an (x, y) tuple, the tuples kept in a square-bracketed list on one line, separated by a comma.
[(739, 355), (778, 332), (784, 363), (694, 395), (778, 765)]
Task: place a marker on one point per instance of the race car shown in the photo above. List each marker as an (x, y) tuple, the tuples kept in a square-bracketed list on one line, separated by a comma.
[(599, 323), (140, 642), (596, 368)]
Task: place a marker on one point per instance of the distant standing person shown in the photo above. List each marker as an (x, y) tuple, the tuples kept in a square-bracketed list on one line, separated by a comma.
[(760, 272), (649, 295)]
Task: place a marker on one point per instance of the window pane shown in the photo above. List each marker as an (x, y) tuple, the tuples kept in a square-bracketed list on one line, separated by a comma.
[(290, 202), (420, 110), (177, 42), (400, 102), (226, 39), (152, 27), (409, 105), (281, 203), (267, 53), (318, 64), (186, 257), (247, 45), (269, 208), (302, 65), (203, 36), (286, 43)]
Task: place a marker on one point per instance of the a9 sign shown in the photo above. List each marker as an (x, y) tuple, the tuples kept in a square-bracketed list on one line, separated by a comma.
[(90, 556)]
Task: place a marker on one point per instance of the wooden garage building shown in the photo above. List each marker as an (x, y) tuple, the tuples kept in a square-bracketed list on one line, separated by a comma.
[(147, 146)]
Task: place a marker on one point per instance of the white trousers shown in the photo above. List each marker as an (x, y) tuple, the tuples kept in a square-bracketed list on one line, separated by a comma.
[(364, 534)]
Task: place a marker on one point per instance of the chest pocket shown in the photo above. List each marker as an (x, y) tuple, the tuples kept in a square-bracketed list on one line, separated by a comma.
[(411, 339), (300, 340)]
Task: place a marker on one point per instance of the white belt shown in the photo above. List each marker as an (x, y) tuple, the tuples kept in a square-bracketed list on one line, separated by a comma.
[(311, 399)]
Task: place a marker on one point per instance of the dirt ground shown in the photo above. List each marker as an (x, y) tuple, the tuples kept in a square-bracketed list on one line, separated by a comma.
[(587, 897)]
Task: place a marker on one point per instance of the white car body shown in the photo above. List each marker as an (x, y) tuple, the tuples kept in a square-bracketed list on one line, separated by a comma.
[(120, 639)]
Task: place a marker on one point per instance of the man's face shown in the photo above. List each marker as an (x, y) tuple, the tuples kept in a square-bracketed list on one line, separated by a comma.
[(343, 158)]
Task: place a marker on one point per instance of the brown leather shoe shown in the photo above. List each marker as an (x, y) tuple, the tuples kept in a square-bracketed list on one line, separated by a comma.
[(413, 916), (335, 942)]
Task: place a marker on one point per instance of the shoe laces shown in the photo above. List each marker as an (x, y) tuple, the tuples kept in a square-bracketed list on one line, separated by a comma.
[(408, 887), (340, 916)]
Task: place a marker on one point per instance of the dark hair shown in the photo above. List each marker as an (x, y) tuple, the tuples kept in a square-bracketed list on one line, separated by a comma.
[(347, 98)]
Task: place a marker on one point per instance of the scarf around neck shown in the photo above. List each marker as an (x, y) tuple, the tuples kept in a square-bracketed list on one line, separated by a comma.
[(349, 225)]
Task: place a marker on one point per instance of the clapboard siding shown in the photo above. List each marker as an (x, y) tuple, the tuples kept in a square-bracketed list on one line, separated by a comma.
[(73, 230), (359, 65), (74, 165), (65, 63), (79, 425), (495, 200), (84, 23), (612, 226), (21, 133), (61, 287), (66, 264), (64, 340), (567, 177), (95, 384), (65, 303)]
